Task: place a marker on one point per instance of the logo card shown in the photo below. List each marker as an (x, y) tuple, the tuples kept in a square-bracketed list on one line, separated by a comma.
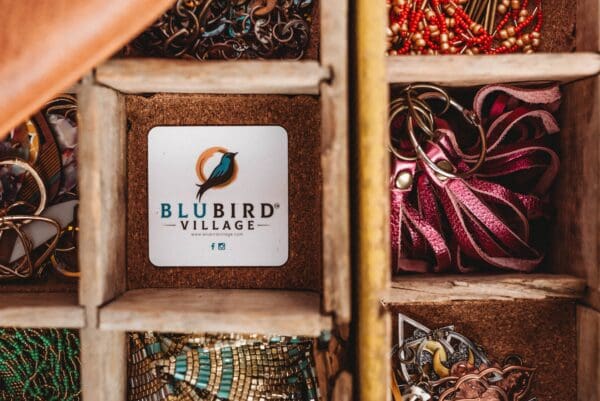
[(218, 196)]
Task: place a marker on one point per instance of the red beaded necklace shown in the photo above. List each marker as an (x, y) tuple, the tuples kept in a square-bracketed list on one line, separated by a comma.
[(463, 26)]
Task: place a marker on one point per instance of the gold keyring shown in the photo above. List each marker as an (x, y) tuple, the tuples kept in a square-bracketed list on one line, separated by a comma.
[(473, 120), (410, 101), (398, 107)]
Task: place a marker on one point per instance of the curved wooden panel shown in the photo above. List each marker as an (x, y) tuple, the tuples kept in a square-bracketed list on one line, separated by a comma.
[(46, 45)]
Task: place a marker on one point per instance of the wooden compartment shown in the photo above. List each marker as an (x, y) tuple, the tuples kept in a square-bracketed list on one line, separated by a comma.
[(112, 306), (38, 303), (542, 332), (569, 273)]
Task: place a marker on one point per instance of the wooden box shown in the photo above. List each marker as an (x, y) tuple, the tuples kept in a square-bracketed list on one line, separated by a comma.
[(105, 309), (566, 289)]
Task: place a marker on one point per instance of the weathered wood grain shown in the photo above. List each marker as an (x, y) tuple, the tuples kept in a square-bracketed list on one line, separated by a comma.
[(439, 289), (41, 310), (240, 77), (370, 192), (334, 161), (104, 365), (479, 70), (588, 354), (576, 233), (102, 177), (230, 311)]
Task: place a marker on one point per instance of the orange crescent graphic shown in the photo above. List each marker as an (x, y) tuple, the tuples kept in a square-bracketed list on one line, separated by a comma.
[(207, 154)]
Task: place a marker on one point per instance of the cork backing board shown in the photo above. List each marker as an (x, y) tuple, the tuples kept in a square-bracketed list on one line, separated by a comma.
[(300, 116), (543, 332), (558, 29)]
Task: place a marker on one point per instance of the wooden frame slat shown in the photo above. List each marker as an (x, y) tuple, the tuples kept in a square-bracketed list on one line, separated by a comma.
[(334, 161), (577, 209), (104, 365), (434, 289), (208, 310), (588, 354), (102, 124), (232, 77), (479, 70), (371, 195), (41, 310)]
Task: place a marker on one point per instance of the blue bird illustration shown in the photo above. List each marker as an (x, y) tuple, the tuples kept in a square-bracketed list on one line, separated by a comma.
[(220, 175)]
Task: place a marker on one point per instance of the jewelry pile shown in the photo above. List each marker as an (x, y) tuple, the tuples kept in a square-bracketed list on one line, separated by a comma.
[(38, 195), (39, 365), (464, 26), (223, 29), (443, 365), (469, 186), (203, 367)]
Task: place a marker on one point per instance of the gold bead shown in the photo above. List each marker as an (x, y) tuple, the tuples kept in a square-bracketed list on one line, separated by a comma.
[(417, 36), (512, 40), (526, 38), (503, 34), (445, 46), (450, 35), (433, 28), (535, 42), (524, 13), (502, 9), (420, 26), (453, 50), (451, 23), (395, 28), (511, 31), (506, 44), (506, 3), (434, 34), (450, 10), (469, 52), (536, 35), (521, 20), (430, 14), (520, 42), (420, 43), (515, 4), (475, 50), (475, 28), (444, 38), (404, 27)]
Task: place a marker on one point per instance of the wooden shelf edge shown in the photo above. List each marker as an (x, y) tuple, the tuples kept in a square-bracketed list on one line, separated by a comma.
[(41, 310), (463, 70), (223, 77), (438, 289), (208, 310)]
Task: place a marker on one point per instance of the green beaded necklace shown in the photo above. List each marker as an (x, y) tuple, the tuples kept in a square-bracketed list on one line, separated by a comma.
[(39, 365)]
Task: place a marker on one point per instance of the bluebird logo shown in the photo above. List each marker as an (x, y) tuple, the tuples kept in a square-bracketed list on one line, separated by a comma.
[(221, 176)]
